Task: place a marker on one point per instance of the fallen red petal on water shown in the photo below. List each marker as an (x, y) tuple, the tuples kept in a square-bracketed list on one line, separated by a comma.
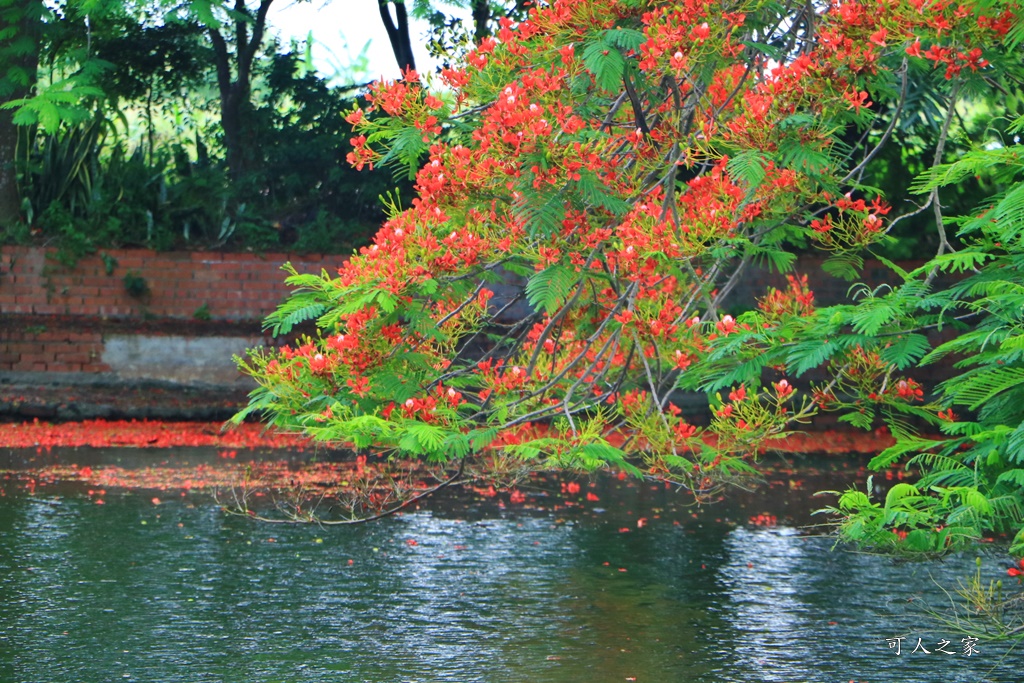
[(411, 542), (144, 434)]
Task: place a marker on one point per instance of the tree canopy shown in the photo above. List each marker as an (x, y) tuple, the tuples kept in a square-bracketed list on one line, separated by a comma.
[(630, 160)]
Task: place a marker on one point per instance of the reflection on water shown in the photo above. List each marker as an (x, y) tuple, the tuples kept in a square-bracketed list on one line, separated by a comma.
[(130, 590)]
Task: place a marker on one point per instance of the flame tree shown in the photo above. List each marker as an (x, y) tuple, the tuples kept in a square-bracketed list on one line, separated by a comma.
[(629, 159)]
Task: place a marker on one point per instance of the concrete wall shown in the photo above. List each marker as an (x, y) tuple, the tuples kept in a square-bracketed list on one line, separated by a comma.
[(182, 360), (178, 352)]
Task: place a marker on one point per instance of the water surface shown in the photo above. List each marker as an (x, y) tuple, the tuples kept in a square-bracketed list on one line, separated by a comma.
[(464, 590)]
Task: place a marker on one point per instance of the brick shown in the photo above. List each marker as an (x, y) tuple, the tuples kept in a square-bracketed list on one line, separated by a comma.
[(78, 356)]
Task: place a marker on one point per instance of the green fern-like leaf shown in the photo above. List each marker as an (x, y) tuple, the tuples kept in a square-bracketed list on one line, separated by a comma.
[(905, 350), (626, 38), (807, 355), (857, 419), (1015, 477), (541, 215), (974, 390), (748, 166), (298, 310), (550, 288), (604, 60), (843, 265)]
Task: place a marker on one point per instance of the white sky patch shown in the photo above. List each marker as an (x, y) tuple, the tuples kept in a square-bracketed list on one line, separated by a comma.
[(340, 30)]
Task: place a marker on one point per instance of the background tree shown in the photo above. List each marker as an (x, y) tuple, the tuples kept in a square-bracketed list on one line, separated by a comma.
[(20, 28), (133, 135), (234, 66)]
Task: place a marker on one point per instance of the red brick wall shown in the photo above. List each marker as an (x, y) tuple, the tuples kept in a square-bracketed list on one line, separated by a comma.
[(232, 286), (42, 349)]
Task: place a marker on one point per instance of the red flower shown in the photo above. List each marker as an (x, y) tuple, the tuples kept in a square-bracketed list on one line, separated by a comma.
[(1018, 570), (727, 325), (857, 100), (909, 390), (783, 388)]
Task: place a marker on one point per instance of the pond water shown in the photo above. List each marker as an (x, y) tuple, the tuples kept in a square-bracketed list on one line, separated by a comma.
[(465, 590)]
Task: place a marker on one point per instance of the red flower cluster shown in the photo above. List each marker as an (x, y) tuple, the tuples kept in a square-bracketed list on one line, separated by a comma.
[(622, 159)]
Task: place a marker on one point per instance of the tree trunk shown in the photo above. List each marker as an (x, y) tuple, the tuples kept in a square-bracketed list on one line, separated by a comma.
[(481, 20), (231, 122), (19, 58), (10, 198), (235, 88), (397, 28)]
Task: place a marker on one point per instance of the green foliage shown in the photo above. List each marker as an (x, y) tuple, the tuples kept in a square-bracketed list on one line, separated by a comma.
[(109, 263), (549, 289), (135, 285), (971, 482), (603, 59), (126, 150)]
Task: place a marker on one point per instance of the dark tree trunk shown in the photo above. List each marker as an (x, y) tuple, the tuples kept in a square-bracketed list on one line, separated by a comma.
[(10, 198), (19, 58), (232, 115), (481, 20), (397, 28), (235, 87)]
